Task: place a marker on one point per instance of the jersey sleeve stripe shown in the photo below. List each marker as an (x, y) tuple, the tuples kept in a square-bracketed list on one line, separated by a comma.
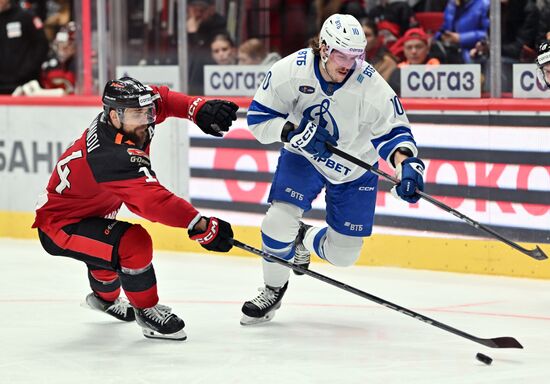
[(396, 131), (388, 148), (258, 113), (257, 119)]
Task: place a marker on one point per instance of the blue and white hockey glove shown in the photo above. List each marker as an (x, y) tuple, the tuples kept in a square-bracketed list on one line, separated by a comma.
[(312, 138), (411, 172)]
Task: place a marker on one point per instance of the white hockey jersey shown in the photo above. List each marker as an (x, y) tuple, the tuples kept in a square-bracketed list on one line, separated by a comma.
[(362, 113)]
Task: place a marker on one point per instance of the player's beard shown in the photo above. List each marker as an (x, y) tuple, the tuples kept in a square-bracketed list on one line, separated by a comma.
[(138, 135)]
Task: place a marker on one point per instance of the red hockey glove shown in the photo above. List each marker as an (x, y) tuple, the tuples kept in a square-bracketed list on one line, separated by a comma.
[(217, 237)]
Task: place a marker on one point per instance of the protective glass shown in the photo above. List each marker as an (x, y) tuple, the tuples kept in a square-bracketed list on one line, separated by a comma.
[(138, 116), (346, 60)]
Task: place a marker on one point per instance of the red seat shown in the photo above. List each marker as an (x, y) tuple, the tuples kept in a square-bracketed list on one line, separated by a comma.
[(431, 22)]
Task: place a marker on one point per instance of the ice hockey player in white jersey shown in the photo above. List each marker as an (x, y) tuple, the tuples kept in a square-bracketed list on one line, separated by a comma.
[(326, 94)]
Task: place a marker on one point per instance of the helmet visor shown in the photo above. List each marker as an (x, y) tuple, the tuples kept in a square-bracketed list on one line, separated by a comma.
[(346, 60), (138, 116)]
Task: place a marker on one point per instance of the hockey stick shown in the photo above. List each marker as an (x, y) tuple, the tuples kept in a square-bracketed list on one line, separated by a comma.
[(537, 253), (498, 342)]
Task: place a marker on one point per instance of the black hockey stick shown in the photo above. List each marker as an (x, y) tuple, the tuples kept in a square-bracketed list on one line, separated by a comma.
[(537, 253), (498, 342)]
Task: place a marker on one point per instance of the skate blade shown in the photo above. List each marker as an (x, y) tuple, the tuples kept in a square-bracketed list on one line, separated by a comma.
[(247, 320), (150, 334), (87, 305)]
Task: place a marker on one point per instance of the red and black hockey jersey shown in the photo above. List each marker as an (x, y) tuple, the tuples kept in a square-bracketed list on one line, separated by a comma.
[(104, 169)]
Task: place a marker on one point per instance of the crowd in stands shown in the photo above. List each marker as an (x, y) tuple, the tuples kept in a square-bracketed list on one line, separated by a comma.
[(37, 47), (399, 33), (433, 32)]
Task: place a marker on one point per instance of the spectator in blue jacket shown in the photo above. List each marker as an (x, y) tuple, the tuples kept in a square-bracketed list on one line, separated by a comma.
[(465, 23)]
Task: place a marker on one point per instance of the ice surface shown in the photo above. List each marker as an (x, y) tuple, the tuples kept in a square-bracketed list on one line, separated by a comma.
[(321, 334)]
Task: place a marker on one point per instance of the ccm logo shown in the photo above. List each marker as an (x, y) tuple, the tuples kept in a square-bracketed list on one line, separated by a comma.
[(366, 189), (212, 230), (193, 108)]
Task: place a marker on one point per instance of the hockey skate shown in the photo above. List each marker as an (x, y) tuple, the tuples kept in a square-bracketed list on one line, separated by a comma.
[(302, 256), (120, 308), (262, 308), (159, 322)]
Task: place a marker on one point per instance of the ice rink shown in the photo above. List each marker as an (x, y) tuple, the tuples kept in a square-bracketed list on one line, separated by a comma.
[(321, 334)]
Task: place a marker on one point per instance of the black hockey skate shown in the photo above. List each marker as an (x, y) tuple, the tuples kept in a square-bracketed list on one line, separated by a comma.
[(302, 256), (262, 308), (159, 322), (120, 308)]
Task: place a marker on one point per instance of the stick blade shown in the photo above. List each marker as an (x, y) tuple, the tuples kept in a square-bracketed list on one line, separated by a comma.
[(501, 342), (537, 253)]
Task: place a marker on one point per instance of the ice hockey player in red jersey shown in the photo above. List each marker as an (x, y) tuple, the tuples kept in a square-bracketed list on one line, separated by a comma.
[(109, 165)]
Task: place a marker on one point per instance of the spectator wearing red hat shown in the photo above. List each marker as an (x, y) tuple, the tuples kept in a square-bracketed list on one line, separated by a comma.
[(416, 49)]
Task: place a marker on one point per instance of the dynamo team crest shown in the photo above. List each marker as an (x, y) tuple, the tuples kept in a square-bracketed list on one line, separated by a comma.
[(322, 116)]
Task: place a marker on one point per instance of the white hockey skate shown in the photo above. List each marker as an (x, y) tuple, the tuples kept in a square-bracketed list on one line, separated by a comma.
[(159, 322), (119, 309), (262, 308), (302, 257)]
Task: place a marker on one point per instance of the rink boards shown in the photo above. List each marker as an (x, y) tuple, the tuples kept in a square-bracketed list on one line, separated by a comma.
[(490, 161)]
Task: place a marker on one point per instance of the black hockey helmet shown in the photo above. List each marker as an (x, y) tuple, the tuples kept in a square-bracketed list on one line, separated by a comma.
[(543, 58), (127, 92)]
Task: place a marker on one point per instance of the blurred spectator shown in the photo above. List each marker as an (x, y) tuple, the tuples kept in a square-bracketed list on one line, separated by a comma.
[(356, 8), (376, 53), (397, 16), (59, 70), (389, 32), (519, 24), (543, 32), (253, 52), (23, 46), (223, 50), (466, 22), (203, 24), (416, 48), (430, 6), (59, 15), (325, 8)]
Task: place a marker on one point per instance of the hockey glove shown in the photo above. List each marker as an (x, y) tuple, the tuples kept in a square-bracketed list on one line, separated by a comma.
[(217, 236), (213, 116), (312, 138), (410, 171)]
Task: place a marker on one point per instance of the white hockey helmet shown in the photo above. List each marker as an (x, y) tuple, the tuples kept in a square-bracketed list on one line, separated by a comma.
[(543, 58), (345, 34)]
